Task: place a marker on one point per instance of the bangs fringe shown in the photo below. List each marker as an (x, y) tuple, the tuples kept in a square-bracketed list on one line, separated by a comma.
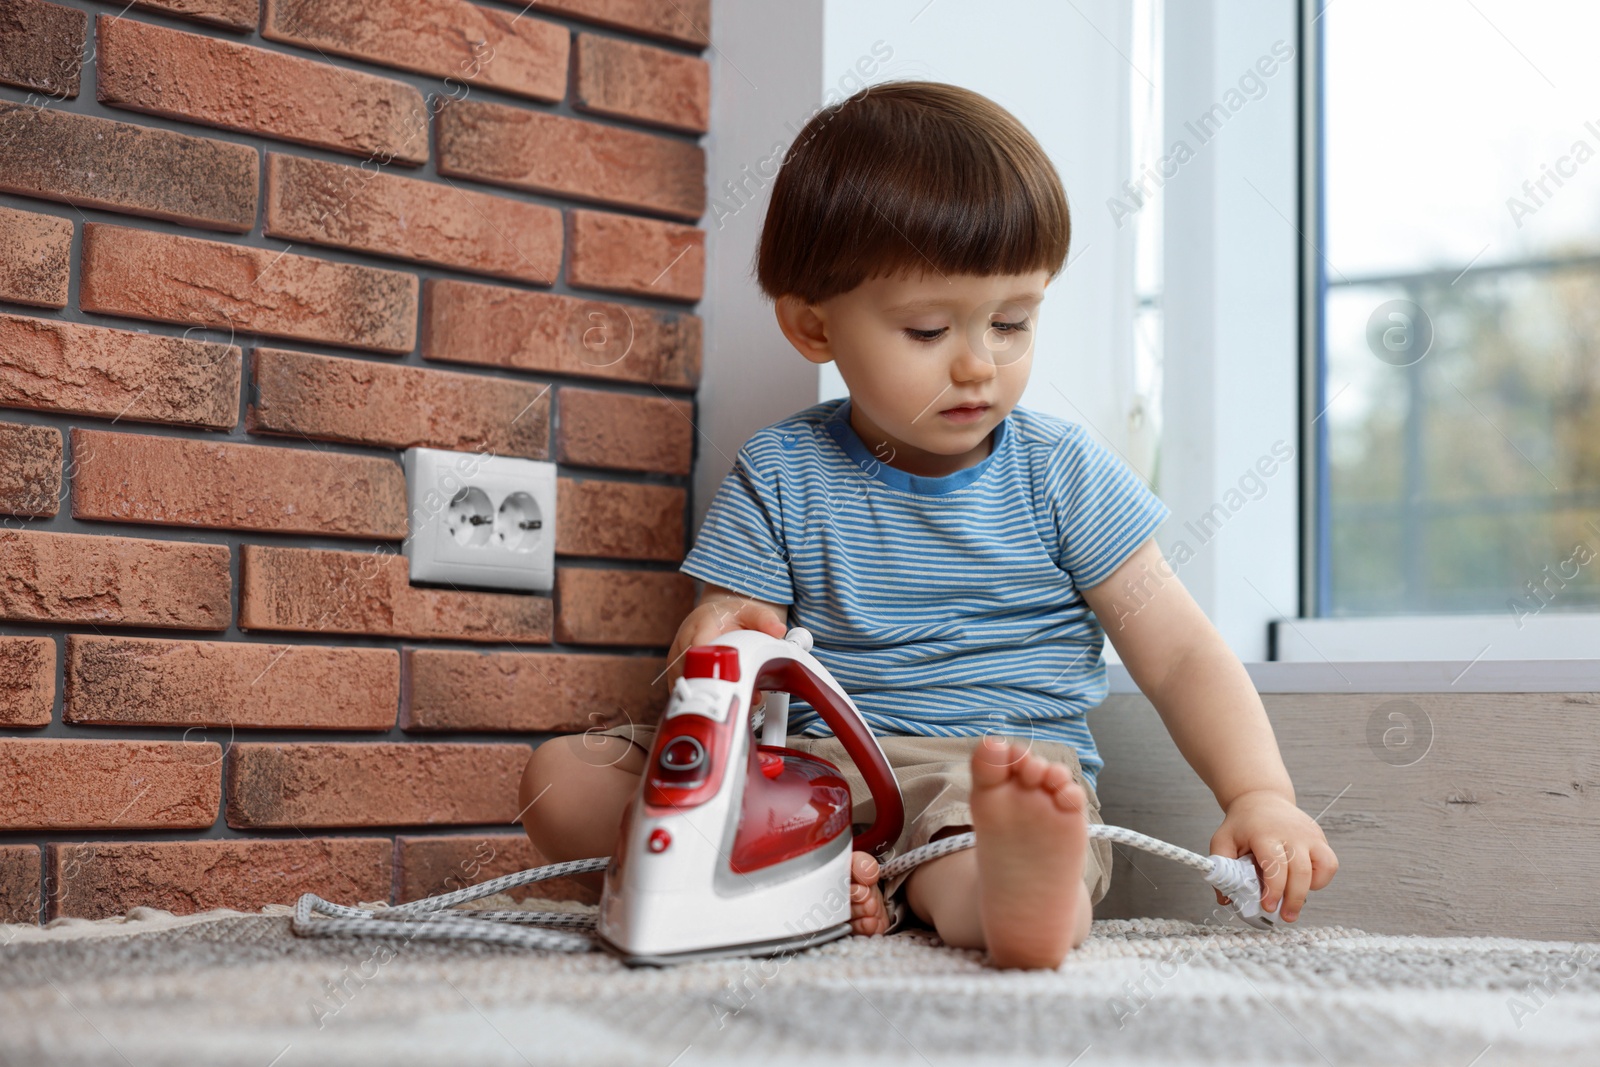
[(907, 177)]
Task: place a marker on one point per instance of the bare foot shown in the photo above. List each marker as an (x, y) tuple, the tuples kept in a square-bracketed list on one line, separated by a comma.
[(1032, 839), (867, 913)]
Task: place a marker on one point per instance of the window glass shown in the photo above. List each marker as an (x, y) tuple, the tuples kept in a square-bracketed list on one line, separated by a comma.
[(1459, 248)]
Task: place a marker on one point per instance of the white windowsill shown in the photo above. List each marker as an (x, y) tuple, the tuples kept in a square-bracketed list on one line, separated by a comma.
[(1437, 676), (1548, 636)]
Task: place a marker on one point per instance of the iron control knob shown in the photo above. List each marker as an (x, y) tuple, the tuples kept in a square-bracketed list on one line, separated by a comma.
[(683, 754)]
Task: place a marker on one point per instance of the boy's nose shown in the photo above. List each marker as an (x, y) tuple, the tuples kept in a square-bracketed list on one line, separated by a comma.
[(975, 362)]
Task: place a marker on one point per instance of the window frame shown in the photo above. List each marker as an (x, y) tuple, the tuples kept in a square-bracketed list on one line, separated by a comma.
[(1231, 382), (1311, 149)]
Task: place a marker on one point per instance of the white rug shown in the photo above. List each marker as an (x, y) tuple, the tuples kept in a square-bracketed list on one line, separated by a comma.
[(228, 988)]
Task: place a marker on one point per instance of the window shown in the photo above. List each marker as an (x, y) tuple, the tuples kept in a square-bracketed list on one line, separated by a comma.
[(1145, 132), (1456, 275)]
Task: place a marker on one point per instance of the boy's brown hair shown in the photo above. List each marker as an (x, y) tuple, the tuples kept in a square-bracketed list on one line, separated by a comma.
[(905, 176)]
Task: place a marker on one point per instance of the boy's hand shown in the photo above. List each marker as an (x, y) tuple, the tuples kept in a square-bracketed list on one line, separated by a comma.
[(1287, 845), (721, 612)]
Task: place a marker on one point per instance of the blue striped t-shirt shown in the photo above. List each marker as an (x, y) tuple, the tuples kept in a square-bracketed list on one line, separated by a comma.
[(945, 606)]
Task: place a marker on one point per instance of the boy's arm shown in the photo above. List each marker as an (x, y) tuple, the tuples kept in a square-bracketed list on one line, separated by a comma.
[(1211, 709)]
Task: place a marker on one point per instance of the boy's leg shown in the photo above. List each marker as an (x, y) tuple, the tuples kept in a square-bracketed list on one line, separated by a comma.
[(573, 793), (1020, 892)]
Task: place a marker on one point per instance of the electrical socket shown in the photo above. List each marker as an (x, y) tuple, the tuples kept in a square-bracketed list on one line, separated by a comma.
[(480, 520)]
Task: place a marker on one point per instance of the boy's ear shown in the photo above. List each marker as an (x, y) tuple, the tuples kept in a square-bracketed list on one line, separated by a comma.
[(806, 327)]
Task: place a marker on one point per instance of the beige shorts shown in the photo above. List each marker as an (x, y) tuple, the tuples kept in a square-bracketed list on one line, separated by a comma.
[(935, 776)]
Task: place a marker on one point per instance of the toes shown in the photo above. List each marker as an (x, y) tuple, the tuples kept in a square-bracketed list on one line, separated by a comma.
[(1071, 796), (1031, 771), (991, 762), (867, 914), (867, 926), (1056, 775), (863, 869)]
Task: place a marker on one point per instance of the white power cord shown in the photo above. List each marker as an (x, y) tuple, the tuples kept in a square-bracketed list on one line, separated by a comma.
[(1235, 879), (439, 919), (422, 919)]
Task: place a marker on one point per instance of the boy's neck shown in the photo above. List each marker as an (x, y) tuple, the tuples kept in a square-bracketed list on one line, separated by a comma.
[(911, 459)]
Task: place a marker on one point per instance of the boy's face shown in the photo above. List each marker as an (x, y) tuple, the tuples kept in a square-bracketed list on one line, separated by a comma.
[(933, 361)]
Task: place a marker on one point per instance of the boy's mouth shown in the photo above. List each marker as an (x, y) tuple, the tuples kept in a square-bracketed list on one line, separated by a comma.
[(965, 412)]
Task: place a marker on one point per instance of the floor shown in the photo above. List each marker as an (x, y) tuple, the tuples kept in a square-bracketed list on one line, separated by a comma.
[(224, 987)]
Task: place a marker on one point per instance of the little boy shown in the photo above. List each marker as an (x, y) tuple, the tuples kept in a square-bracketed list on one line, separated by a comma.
[(953, 554)]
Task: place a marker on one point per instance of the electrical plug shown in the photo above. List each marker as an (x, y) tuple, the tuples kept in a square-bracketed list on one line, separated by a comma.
[(1237, 880)]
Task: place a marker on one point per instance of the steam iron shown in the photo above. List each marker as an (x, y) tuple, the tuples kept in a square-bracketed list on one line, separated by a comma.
[(736, 847)]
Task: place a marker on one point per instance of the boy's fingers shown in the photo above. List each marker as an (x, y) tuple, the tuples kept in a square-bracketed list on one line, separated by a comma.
[(1324, 864), (1269, 858), (755, 617), (1294, 894), (711, 622)]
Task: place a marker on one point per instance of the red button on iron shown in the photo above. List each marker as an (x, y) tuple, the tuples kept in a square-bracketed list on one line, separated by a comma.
[(659, 839), (711, 661), (771, 764)]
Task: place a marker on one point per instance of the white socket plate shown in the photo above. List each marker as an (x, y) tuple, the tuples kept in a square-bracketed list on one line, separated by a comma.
[(480, 520)]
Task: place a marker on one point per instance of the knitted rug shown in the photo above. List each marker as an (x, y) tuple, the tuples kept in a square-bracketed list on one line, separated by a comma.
[(223, 987)]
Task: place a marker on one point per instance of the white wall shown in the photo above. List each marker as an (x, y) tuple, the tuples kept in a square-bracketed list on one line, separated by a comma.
[(766, 81)]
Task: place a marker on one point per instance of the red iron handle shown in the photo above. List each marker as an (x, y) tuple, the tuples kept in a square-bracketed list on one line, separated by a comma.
[(791, 676)]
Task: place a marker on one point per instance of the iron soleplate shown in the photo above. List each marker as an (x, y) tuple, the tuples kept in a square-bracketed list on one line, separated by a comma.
[(758, 948)]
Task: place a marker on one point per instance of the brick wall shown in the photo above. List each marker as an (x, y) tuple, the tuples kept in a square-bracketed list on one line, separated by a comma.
[(249, 252)]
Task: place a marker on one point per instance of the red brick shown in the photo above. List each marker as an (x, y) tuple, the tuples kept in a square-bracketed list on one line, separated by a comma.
[(119, 166), (47, 784), (30, 470), (619, 520), (313, 590), (623, 254), (147, 275), (27, 680), (100, 879), (158, 682), (52, 365), (42, 46), (19, 883), (373, 784), (352, 207), (499, 327), (548, 153), (37, 266), (529, 691), (635, 81), (685, 21), (450, 39), (626, 432), (430, 866), (613, 607), (191, 77), (370, 403), (174, 481), (116, 581), (229, 14)]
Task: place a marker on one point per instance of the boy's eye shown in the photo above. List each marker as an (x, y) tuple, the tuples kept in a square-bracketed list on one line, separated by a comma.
[(1020, 326)]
